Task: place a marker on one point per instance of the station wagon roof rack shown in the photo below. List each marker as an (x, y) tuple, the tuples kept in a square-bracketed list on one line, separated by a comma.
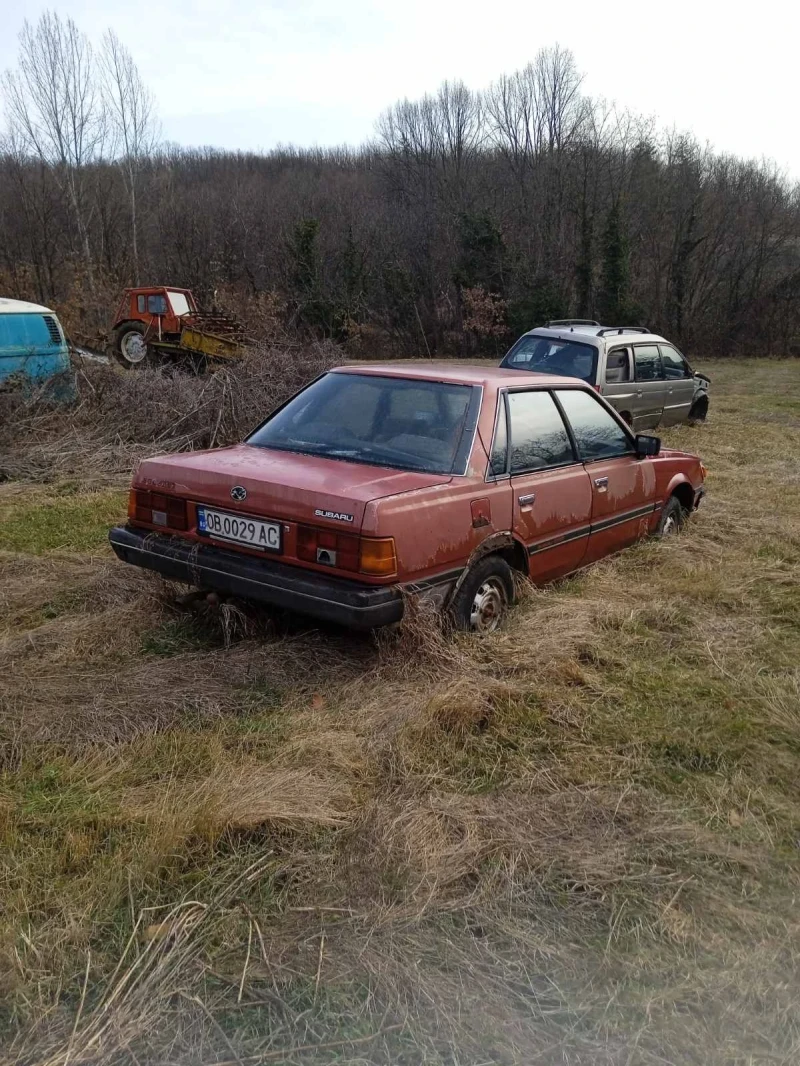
[(622, 329), (571, 322)]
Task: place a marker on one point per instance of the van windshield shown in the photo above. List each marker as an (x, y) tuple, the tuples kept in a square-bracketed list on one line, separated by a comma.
[(407, 423), (549, 356)]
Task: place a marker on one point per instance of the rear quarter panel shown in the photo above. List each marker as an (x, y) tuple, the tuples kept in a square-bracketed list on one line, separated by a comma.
[(433, 527)]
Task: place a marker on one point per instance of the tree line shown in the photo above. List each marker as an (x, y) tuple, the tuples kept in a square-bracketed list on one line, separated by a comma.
[(467, 219)]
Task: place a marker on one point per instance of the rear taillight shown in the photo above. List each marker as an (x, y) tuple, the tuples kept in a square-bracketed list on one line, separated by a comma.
[(156, 509), (378, 556), (366, 555)]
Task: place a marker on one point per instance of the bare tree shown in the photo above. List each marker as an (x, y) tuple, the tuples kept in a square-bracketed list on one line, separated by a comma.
[(55, 110), (132, 119)]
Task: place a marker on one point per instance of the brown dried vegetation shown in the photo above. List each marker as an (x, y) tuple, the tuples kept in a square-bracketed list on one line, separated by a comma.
[(575, 841)]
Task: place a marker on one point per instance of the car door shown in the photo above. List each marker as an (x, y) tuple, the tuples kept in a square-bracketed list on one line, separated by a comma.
[(678, 384), (623, 486), (649, 391), (551, 491), (615, 378)]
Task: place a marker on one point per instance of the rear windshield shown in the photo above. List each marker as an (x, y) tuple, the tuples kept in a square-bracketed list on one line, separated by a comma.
[(384, 421), (548, 356)]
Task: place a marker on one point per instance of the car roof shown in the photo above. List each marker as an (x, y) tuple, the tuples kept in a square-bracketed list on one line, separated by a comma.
[(22, 307), (589, 334), (458, 374)]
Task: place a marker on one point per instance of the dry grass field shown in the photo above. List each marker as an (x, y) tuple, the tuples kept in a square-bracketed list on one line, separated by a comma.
[(230, 840)]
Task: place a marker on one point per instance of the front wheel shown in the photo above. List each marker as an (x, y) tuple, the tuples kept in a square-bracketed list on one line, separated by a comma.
[(482, 601), (672, 518), (699, 411)]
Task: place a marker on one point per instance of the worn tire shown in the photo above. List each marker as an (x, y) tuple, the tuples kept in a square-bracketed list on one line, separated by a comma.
[(126, 348), (672, 518), (482, 601), (698, 412)]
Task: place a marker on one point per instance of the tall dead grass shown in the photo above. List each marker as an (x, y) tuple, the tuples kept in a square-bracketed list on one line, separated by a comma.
[(119, 416), (574, 841)]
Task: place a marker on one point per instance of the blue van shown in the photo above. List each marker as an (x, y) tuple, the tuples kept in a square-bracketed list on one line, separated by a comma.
[(33, 349)]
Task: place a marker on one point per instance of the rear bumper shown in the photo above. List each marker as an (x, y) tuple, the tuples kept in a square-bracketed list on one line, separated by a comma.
[(330, 599)]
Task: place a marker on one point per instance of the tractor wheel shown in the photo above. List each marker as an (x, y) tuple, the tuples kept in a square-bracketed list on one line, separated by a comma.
[(130, 349)]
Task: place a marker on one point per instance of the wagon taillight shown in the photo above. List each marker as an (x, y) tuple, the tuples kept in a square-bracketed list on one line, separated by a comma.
[(157, 509)]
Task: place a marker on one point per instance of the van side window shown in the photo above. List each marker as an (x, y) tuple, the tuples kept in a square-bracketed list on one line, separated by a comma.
[(618, 366), (675, 366), (648, 362)]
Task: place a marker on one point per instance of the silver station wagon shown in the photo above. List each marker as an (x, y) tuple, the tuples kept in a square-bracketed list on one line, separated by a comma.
[(641, 374)]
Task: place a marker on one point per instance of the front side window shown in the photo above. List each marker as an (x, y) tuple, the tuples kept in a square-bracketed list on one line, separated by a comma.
[(403, 423), (539, 438), (597, 434), (675, 366), (548, 356), (618, 366), (648, 362), (157, 305)]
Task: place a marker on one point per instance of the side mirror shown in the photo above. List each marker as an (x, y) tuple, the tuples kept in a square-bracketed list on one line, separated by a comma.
[(647, 445)]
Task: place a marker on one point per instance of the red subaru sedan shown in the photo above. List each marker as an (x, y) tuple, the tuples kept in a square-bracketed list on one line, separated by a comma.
[(436, 480)]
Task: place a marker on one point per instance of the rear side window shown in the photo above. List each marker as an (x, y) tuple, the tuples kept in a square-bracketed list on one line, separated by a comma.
[(538, 435), (675, 366), (618, 366), (597, 434), (648, 362), (28, 333)]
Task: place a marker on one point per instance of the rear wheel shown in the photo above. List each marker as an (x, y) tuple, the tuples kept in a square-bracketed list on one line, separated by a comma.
[(481, 604), (130, 348)]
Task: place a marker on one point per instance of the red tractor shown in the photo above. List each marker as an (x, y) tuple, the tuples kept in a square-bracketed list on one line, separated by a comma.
[(160, 323)]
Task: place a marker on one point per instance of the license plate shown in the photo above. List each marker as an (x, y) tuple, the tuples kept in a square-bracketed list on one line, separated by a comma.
[(239, 528)]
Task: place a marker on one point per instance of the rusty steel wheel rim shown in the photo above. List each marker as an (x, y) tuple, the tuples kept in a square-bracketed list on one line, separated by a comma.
[(488, 606), (133, 347)]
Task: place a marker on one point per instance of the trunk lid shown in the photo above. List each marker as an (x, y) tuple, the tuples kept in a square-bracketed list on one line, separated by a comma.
[(284, 485)]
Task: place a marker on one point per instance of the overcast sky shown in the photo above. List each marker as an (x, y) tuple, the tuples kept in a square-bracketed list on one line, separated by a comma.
[(251, 75)]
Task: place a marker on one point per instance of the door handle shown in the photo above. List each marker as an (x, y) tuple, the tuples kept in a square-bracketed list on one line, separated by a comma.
[(526, 501), (602, 483)]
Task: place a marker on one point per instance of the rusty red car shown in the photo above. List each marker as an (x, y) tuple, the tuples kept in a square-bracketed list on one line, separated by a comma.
[(378, 482)]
